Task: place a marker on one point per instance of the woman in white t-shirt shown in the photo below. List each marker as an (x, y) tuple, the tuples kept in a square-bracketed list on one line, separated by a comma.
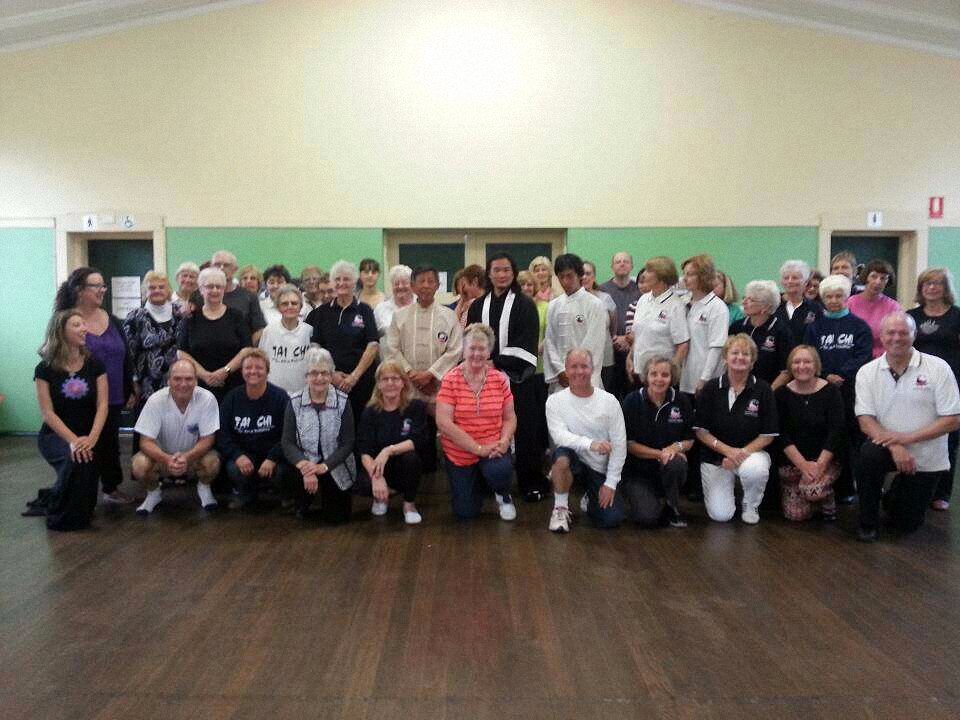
[(286, 341)]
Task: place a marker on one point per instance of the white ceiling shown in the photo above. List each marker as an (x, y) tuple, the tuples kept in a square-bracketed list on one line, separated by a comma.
[(927, 25)]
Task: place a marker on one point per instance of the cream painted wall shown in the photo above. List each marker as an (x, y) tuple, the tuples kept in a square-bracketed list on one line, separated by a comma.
[(502, 113)]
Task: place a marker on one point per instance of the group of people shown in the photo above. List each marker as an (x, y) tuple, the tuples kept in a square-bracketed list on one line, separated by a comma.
[(632, 391)]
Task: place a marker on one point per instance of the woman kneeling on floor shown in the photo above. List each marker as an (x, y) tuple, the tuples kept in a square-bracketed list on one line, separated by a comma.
[(393, 430), (736, 419), (318, 439)]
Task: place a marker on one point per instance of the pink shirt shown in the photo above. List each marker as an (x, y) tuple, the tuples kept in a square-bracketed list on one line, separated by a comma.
[(872, 312)]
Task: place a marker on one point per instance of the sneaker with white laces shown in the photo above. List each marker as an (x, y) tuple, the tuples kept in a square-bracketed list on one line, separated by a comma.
[(750, 515), (584, 503), (560, 520), (412, 517), (508, 511), (378, 508)]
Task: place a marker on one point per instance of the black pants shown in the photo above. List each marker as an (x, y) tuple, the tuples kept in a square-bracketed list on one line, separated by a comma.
[(694, 483), (428, 455), (945, 486), (529, 449), (402, 473), (335, 504), (644, 495), (908, 498), (360, 396), (844, 486), (248, 486), (621, 384), (73, 497), (107, 455)]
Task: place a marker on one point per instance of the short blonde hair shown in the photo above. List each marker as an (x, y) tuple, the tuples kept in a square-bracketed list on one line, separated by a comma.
[(476, 330), (149, 278), (258, 354), (741, 339), (817, 365), (376, 399), (660, 360), (663, 268)]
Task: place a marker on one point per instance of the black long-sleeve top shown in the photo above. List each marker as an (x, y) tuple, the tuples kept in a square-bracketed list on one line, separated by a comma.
[(523, 332), (252, 427), (813, 422), (380, 428)]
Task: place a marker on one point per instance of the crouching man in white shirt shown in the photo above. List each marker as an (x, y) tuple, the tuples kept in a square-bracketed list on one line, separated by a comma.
[(177, 428), (587, 428), (907, 403)]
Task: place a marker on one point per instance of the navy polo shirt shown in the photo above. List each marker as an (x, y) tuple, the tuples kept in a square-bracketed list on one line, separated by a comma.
[(655, 427), (754, 413), (344, 332), (774, 341)]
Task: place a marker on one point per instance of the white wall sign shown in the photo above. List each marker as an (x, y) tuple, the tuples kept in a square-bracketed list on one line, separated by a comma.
[(443, 280), (90, 223), (874, 219), (125, 286), (127, 221), (121, 307)]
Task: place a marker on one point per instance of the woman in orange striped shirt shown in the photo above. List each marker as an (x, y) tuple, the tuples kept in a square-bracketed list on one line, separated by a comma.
[(476, 422)]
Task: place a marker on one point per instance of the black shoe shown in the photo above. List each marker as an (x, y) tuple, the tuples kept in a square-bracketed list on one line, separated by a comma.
[(34, 511), (532, 496), (868, 534), (676, 520), (846, 499)]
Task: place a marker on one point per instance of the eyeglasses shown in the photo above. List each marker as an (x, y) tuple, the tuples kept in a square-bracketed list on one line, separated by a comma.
[(97, 286), (214, 287), (933, 283), (317, 373)]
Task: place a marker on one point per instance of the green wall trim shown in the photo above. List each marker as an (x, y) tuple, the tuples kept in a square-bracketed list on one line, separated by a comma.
[(944, 248), (26, 296), (293, 247), (744, 253)]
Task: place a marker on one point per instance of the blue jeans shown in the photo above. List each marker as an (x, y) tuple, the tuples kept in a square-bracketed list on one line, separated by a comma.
[(592, 481), (466, 492)]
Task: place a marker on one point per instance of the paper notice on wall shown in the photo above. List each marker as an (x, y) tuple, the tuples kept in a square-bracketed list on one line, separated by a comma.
[(443, 281), (121, 307), (125, 286)]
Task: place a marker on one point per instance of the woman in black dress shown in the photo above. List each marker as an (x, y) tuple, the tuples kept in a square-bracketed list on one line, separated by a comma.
[(812, 437), (938, 333), (215, 338), (72, 392)]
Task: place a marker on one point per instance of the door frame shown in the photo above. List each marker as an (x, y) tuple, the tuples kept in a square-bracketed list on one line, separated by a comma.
[(475, 240), (911, 229), (73, 238)]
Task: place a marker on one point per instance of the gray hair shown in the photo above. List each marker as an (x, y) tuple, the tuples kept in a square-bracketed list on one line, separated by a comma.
[(479, 330), (764, 290), (582, 351), (149, 278), (343, 267), (900, 315), (798, 266), (227, 253), (290, 289), (317, 356), (187, 266), (398, 272), (211, 272), (832, 283)]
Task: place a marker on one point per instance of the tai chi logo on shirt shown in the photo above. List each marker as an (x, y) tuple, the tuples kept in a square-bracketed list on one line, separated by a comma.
[(769, 343), (580, 319), (675, 416), (921, 382), (753, 408), (193, 429), (405, 428), (442, 336), (358, 321), (928, 327)]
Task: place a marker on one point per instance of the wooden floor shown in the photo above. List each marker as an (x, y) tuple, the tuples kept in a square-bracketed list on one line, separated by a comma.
[(230, 616)]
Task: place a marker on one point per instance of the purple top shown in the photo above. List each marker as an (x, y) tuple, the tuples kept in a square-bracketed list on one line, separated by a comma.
[(110, 350)]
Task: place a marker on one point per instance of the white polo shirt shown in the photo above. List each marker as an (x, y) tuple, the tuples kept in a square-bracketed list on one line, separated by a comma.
[(659, 324), (287, 350), (925, 392), (707, 321), (175, 431)]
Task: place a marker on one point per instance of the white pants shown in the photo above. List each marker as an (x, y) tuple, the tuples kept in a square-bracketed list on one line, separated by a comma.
[(718, 485)]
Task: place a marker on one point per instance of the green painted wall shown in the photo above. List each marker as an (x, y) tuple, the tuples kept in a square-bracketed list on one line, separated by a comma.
[(744, 253), (944, 249), (26, 296), (293, 247)]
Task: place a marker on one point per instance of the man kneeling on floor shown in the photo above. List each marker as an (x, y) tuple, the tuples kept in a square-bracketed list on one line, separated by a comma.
[(587, 428), (177, 428)]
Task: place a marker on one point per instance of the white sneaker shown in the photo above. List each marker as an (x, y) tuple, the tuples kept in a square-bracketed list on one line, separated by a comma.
[(412, 517), (150, 502), (508, 511), (584, 503), (560, 520), (750, 515), (378, 508)]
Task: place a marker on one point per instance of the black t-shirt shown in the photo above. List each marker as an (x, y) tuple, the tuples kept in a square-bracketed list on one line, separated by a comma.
[(813, 422), (774, 340), (74, 395), (939, 336), (379, 428), (655, 427), (344, 332), (214, 343), (754, 413)]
